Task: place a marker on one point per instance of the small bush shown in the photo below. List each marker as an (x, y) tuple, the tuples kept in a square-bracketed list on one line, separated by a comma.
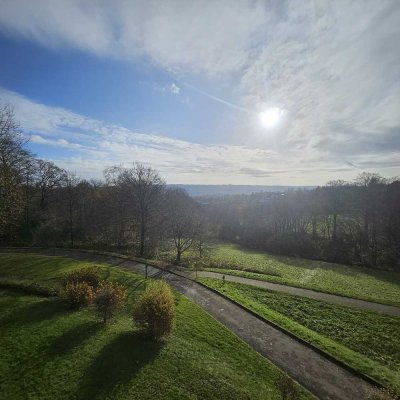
[(89, 275), (79, 294), (108, 299), (155, 310), (287, 387)]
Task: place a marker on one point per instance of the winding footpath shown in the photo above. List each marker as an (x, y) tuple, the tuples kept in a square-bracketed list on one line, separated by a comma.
[(322, 377), (330, 298)]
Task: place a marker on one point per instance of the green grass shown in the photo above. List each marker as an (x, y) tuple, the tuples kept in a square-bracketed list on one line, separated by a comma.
[(51, 352), (367, 341), (351, 281)]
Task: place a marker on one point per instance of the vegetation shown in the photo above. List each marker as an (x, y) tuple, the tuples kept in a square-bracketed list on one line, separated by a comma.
[(80, 286), (108, 299), (367, 341), (381, 394), (51, 352), (348, 222), (89, 275), (79, 294), (351, 281), (155, 311), (287, 388)]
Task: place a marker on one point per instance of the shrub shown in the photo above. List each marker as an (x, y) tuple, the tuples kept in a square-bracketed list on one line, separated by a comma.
[(79, 294), (108, 299), (155, 310), (89, 275), (287, 387)]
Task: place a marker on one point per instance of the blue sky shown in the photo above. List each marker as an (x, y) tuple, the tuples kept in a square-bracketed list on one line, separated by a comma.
[(181, 85)]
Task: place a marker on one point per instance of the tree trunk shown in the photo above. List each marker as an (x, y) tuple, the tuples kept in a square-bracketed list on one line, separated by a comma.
[(334, 227), (314, 228), (71, 225), (142, 239)]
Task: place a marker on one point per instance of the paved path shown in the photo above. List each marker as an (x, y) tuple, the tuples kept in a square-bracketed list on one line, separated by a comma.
[(330, 298)]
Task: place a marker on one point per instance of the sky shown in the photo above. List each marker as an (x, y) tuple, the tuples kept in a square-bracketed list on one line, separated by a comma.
[(291, 92)]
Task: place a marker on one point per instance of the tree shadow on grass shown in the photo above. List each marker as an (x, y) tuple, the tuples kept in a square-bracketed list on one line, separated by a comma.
[(73, 338), (118, 362), (35, 312)]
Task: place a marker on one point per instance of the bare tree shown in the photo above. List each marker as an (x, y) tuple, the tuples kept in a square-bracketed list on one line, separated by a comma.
[(371, 190), (72, 197), (49, 177), (12, 140), (334, 203), (13, 161), (140, 189), (183, 221)]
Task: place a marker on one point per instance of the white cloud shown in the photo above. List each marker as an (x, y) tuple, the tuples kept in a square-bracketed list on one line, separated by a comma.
[(37, 139), (334, 67), (174, 89), (98, 145), (201, 35)]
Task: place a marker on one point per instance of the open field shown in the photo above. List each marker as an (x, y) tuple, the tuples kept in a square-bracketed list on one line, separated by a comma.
[(351, 281), (50, 352), (367, 341)]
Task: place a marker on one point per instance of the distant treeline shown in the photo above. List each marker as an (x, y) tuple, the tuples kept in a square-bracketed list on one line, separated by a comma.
[(224, 190), (133, 210), (348, 222)]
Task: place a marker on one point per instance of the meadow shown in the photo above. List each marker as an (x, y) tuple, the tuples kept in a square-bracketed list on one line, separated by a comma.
[(49, 351), (367, 341), (352, 281)]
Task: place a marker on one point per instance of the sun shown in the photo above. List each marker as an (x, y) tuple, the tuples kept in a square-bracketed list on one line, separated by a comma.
[(270, 117)]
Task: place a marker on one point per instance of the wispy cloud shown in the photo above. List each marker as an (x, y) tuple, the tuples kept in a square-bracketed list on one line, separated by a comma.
[(98, 145), (215, 98), (333, 66), (37, 139), (204, 36)]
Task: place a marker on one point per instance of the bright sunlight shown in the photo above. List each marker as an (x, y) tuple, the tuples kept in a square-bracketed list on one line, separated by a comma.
[(270, 117)]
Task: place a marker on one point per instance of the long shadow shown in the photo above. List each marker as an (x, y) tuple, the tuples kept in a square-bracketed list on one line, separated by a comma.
[(71, 339), (116, 365), (39, 311)]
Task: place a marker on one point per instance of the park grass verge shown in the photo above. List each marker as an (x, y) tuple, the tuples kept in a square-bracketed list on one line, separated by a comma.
[(367, 342), (349, 281), (52, 352)]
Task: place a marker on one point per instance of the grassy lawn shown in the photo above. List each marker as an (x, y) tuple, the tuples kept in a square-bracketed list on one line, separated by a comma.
[(50, 352), (367, 341), (357, 282)]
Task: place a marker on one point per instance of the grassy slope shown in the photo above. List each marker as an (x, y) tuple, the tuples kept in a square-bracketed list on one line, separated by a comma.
[(50, 352), (362, 283), (367, 341)]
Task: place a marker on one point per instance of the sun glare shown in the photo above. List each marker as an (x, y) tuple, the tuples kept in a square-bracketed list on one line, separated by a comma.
[(270, 117)]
